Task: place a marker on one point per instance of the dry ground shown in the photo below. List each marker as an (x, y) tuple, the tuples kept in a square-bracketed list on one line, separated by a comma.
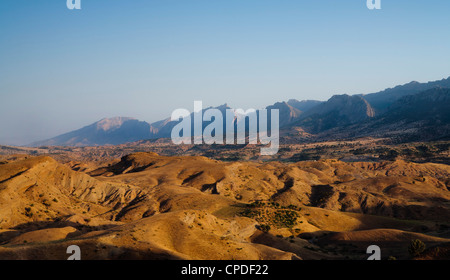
[(147, 206)]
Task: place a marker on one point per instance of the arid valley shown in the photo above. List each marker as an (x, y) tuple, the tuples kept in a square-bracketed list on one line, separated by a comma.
[(145, 205), (217, 137)]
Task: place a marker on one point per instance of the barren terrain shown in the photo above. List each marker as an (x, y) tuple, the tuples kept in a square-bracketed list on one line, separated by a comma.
[(143, 205)]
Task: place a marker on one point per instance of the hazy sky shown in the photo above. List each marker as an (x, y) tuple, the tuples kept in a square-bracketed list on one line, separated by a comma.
[(63, 69)]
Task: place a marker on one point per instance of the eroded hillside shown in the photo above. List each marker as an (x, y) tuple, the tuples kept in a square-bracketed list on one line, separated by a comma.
[(147, 206)]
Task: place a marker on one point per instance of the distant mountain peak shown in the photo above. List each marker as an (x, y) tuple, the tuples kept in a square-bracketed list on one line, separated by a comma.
[(287, 113), (304, 105), (340, 97), (112, 123), (280, 104), (339, 110), (223, 107), (412, 102), (381, 100), (107, 131)]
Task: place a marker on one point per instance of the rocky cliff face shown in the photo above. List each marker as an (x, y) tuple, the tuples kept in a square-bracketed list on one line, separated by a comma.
[(340, 110)]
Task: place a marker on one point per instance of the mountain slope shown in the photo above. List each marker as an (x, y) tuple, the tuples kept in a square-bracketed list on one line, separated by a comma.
[(383, 99), (423, 116), (431, 105), (303, 105), (40, 189), (420, 117), (111, 131), (339, 110), (342, 115), (288, 113)]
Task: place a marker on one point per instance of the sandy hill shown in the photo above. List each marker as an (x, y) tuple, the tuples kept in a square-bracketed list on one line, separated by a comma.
[(147, 206)]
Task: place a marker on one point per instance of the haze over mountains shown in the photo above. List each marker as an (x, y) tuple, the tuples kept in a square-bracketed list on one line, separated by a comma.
[(318, 198), (383, 99), (106, 131), (407, 112)]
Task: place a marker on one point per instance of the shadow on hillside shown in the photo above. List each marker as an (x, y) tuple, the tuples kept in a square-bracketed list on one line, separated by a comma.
[(89, 249), (58, 223)]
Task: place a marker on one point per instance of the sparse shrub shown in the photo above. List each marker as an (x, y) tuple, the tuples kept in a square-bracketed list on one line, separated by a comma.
[(293, 207), (264, 228), (250, 213), (286, 218), (416, 247), (390, 154), (256, 204), (28, 212)]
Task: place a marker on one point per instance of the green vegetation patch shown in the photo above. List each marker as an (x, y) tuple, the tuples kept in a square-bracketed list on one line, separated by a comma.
[(272, 214)]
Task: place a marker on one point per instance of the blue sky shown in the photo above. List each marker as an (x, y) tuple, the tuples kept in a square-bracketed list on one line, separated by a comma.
[(62, 69)]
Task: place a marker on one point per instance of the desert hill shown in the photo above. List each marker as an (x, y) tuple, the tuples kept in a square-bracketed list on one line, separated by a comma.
[(41, 189), (147, 206)]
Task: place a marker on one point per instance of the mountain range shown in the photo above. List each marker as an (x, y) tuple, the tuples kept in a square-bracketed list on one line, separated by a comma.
[(409, 112)]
